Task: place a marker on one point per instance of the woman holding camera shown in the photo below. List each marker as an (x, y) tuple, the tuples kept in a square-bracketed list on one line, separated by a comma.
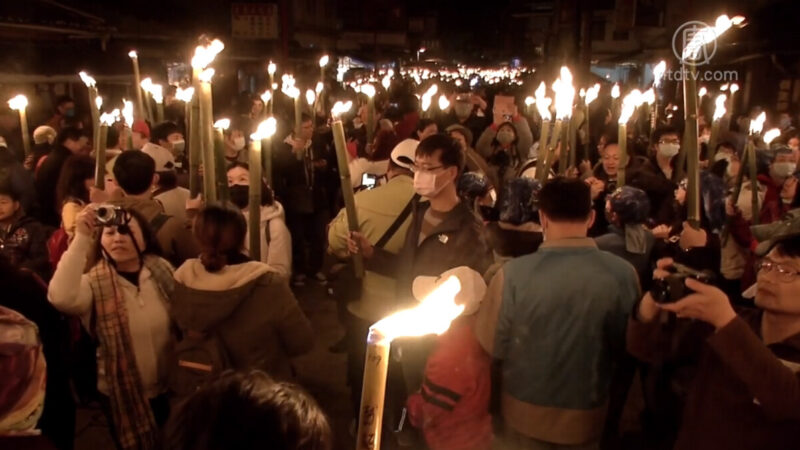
[(122, 299)]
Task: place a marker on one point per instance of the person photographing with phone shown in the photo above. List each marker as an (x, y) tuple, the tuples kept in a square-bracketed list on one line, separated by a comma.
[(746, 393)]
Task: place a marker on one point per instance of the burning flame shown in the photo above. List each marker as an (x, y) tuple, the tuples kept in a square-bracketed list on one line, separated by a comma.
[(340, 108), (649, 96), (368, 90), (206, 75), (543, 103), (87, 80), (204, 55), (98, 101), (266, 129), (132, 54), (18, 103), (310, 97), (157, 91), (147, 85), (724, 87), (107, 119), (117, 114), (615, 92), (386, 82), (319, 87), (565, 94), (708, 35), (127, 112), (271, 68), (592, 93), (734, 88), (702, 92), (757, 124), (266, 96), (324, 61), (426, 102), (719, 106), (432, 90), (444, 103), (185, 95), (770, 135), (222, 124), (629, 104), (432, 316), (292, 92), (658, 72), (529, 101)]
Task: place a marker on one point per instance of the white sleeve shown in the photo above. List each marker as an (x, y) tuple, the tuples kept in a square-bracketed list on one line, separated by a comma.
[(279, 249), (69, 290)]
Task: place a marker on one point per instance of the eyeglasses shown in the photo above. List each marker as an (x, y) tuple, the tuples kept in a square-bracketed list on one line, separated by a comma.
[(785, 274), (669, 141), (416, 168)]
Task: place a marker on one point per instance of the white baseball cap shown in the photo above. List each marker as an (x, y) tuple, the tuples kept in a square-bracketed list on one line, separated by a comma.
[(163, 157), (403, 153), (44, 134), (473, 287)]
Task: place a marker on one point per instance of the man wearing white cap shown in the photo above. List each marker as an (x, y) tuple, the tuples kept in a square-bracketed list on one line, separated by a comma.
[(167, 191), (384, 217)]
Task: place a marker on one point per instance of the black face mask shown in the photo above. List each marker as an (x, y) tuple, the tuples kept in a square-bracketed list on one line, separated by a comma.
[(239, 195)]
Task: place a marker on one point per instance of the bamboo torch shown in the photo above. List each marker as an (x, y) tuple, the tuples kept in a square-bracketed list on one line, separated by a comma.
[(266, 97), (127, 115), (271, 68), (658, 75), (221, 178), (158, 96), (719, 113), (543, 108), (615, 94), (734, 88), (591, 95), (20, 104), (369, 91), (433, 316), (344, 177), (565, 96), (264, 131), (191, 112), (629, 105), (91, 86), (147, 87), (203, 56), (139, 113), (106, 120)]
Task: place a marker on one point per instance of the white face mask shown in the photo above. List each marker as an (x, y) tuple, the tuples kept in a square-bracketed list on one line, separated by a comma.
[(668, 150), (745, 204), (720, 156), (425, 184), (238, 143), (783, 169), (178, 146)]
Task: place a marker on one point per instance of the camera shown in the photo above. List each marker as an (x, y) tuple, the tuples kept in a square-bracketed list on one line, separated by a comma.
[(110, 215), (673, 287)]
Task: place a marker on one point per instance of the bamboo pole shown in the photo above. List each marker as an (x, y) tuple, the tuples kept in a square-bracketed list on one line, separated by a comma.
[(370, 415), (691, 145), (347, 188), (195, 145), (254, 202), (139, 112), (100, 158)]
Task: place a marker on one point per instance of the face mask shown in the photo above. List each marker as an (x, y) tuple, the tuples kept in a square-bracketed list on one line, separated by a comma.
[(357, 124), (238, 143), (70, 112), (462, 110), (425, 184), (668, 150), (238, 194), (783, 169), (178, 146), (505, 137), (720, 156)]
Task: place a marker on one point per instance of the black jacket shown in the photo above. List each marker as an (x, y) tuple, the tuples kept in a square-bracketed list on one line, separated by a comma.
[(46, 183), (25, 246), (301, 184)]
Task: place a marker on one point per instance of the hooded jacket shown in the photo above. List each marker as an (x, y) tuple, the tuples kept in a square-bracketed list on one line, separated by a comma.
[(276, 247), (250, 308)]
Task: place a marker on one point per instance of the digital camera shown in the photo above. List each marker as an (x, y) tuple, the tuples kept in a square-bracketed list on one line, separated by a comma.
[(673, 287), (110, 215)]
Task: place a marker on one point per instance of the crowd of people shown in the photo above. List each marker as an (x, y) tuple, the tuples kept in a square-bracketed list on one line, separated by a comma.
[(576, 290)]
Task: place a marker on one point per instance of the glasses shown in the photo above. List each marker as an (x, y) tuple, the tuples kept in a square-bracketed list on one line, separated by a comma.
[(416, 168), (785, 274), (669, 141)]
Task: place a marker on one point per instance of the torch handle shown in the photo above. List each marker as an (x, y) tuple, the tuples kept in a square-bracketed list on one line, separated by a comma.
[(753, 174), (373, 393), (692, 151), (100, 159), (347, 190), (195, 146), (254, 201), (137, 80)]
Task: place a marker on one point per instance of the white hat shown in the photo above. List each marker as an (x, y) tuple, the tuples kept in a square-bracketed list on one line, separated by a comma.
[(403, 153), (3, 142), (44, 135), (473, 288), (163, 157)]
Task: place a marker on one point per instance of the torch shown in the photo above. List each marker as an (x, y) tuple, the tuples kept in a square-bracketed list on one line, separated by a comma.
[(444, 103), (271, 71), (106, 120), (20, 104), (591, 95), (264, 131), (629, 105), (323, 61), (615, 93), (433, 316), (543, 107), (192, 109), (147, 87), (734, 88), (137, 83), (158, 95), (427, 99), (528, 102), (648, 98), (658, 75), (565, 96), (221, 178), (91, 86), (719, 113), (203, 56), (127, 115), (369, 91), (344, 178), (266, 97)]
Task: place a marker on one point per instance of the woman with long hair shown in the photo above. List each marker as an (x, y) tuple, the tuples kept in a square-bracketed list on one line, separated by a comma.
[(72, 189), (123, 300)]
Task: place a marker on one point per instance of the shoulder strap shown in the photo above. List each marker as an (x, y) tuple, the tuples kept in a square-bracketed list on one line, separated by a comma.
[(158, 221), (397, 222)]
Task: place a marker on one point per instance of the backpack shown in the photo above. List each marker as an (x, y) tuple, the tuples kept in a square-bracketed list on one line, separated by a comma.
[(57, 244), (200, 358)]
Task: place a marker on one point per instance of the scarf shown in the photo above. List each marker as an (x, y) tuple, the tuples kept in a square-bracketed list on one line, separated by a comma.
[(136, 427)]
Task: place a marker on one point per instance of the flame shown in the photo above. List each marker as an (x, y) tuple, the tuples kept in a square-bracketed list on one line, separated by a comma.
[(206, 75), (310, 97), (708, 35), (426, 102), (266, 96), (204, 55), (719, 106), (132, 54), (98, 101), (543, 103), (734, 88), (222, 124), (615, 92), (292, 92), (185, 95), (87, 80), (147, 85), (368, 90), (649, 96), (386, 82), (319, 87), (770, 135), (324, 61), (117, 114), (658, 72), (582, 93), (724, 87), (432, 90), (629, 104), (444, 103), (702, 92), (266, 129), (127, 112), (271, 68), (592, 93), (757, 124), (340, 108), (432, 316), (157, 91), (529, 101), (565, 94), (18, 103), (107, 119)]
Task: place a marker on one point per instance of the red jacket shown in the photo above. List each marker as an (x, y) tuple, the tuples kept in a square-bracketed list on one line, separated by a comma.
[(452, 407)]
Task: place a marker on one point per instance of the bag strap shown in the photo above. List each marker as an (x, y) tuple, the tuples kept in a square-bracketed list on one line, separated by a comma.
[(397, 222), (158, 221)]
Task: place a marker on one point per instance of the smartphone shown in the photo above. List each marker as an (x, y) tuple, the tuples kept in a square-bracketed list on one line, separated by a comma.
[(369, 180)]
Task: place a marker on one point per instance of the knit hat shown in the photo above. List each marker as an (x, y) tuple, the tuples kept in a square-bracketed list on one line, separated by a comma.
[(473, 287), (630, 204), (461, 129), (473, 185), (141, 127), (22, 373), (163, 157), (404, 152), (44, 135), (519, 201)]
